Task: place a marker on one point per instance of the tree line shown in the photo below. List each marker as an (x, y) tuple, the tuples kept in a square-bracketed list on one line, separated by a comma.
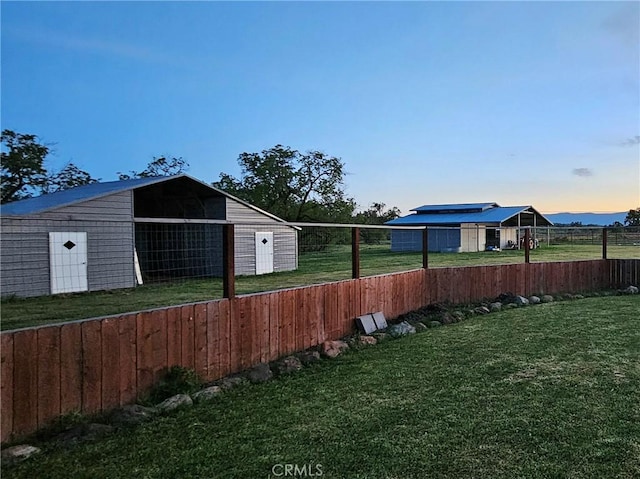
[(295, 186)]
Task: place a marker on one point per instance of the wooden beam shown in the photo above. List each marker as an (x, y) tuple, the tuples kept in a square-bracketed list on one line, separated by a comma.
[(355, 252), (527, 241), (228, 261), (425, 248)]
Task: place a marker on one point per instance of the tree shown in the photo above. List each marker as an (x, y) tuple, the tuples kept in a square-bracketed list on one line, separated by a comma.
[(160, 166), (23, 170), (633, 217), (376, 215), (69, 177), (292, 185)]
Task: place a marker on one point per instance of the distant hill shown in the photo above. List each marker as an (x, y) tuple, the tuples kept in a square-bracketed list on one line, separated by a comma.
[(601, 219)]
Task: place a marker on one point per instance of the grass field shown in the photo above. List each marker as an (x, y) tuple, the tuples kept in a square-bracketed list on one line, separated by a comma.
[(538, 392), (314, 268)]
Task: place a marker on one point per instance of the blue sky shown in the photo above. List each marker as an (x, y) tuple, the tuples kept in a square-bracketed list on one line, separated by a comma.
[(426, 102)]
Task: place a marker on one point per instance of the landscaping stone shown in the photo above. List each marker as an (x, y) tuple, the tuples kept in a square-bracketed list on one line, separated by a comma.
[(260, 373), (506, 298), (419, 326), (15, 454), (232, 382), (458, 316), (497, 306), (630, 290), (84, 433), (380, 336), (132, 414), (511, 305), (578, 296), (207, 394), (446, 318), (288, 365), (367, 340), (435, 324), (308, 357), (174, 402), (534, 299), (547, 298), (521, 301), (333, 349), (401, 329), (481, 310)]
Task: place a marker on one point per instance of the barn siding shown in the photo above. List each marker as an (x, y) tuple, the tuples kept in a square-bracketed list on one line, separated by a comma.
[(24, 254), (285, 250), (24, 245)]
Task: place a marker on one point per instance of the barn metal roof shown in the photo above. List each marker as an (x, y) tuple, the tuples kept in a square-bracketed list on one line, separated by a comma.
[(493, 215), (78, 194), (460, 207)]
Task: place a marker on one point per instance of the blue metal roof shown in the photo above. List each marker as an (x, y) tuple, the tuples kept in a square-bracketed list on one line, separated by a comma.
[(455, 207), (495, 215), (50, 201)]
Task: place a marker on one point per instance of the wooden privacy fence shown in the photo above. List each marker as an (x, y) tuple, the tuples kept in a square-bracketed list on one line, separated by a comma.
[(98, 364)]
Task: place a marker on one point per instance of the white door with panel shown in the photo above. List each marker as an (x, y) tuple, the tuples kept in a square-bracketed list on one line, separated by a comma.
[(68, 262), (264, 252)]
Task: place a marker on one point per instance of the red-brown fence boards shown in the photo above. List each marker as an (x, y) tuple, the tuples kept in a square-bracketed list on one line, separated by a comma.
[(6, 387), (98, 364)]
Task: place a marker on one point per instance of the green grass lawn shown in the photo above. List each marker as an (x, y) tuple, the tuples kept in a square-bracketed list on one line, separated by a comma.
[(314, 268), (538, 392)]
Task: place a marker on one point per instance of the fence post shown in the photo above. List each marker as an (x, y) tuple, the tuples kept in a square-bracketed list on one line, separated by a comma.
[(425, 248), (355, 252), (527, 249), (228, 261), (604, 243)]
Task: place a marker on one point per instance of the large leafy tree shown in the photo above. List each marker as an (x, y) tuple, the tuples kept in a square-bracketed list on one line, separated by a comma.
[(633, 217), (376, 214), (23, 171), (292, 185), (69, 177), (160, 166)]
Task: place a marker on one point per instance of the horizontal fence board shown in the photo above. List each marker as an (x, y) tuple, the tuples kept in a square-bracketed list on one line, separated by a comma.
[(94, 365)]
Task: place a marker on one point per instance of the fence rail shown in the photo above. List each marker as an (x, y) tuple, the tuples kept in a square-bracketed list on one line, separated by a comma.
[(98, 364)]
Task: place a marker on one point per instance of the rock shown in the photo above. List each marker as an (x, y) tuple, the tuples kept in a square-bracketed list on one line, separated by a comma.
[(447, 318), (511, 305), (367, 340), (380, 336), (435, 308), (458, 316), (506, 298), (578, 296), (260, 373), (174, 402), (308, 357), (401, 329), (133, 414), (332, 349), (547, 298), (630, 290), (207, 394), (481, 310), (497, 306), (288, 365), (232, 382), (534, 299), (84, 433), (15, 454), (521, 301), (435, 324), (420, 327)]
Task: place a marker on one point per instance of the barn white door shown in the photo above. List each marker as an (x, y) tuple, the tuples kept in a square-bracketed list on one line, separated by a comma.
[(264, 253), (68, 262)]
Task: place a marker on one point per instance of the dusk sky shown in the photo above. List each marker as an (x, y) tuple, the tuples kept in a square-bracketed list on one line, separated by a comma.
[(521, 103)]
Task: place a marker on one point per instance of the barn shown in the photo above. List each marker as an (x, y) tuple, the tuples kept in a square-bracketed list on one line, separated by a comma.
[(118, 234), (467, 227)]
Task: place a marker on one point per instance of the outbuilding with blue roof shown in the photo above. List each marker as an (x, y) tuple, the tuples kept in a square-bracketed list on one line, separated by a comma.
[(466, 227)]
